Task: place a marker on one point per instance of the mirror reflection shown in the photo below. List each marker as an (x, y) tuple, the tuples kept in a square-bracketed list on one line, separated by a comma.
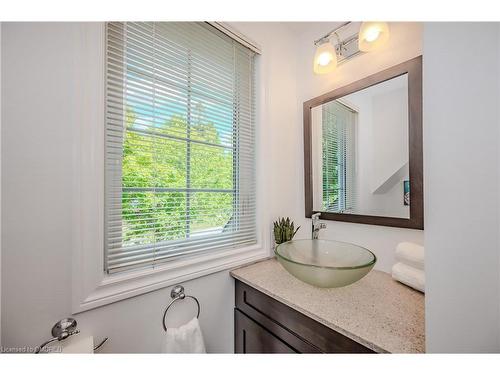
[(360, 152)]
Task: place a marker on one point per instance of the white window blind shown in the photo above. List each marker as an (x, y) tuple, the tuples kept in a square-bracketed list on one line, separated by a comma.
[(180, 153), (338, 164)]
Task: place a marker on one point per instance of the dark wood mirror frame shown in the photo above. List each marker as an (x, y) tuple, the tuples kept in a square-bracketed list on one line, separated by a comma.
[(413, 68)]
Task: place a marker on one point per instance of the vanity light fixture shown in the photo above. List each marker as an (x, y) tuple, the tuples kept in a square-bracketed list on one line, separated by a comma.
[(329, 54)]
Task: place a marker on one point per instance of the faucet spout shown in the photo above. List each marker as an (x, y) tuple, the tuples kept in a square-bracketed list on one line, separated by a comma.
[(316, 225)]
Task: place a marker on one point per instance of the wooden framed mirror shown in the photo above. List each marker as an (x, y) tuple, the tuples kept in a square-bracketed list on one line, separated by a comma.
[(363, 158)]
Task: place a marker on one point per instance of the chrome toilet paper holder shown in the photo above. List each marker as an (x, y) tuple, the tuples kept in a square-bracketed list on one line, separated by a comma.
[(62, 330)]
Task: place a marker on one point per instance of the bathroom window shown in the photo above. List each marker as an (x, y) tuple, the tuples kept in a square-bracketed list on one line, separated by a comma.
[(180, 129), (338, 157)]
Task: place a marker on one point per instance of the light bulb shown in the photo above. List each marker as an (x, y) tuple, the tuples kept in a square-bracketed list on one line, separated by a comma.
[(372, 35), (325, 59)]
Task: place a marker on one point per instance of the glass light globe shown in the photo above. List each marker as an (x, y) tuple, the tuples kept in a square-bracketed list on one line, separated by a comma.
[(372, 35), (325, 59)]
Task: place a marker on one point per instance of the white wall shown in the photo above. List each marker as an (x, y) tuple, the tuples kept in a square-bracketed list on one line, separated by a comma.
[(404, 44), (40, 84), (390, 135), (0, 183), (461, 167)]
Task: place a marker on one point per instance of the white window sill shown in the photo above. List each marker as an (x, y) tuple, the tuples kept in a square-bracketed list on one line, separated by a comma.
[(113, 288)]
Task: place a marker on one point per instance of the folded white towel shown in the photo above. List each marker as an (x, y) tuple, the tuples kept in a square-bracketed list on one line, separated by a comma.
[(410, 276), (410, 254), (185, 339)]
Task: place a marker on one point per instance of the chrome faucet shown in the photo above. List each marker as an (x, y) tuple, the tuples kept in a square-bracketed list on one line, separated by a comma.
[(316, 225)]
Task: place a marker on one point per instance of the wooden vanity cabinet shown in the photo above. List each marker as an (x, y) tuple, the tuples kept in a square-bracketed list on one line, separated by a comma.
[(264, 325)]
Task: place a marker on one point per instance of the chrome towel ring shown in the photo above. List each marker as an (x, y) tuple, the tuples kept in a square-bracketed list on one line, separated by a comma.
[(177, 293)]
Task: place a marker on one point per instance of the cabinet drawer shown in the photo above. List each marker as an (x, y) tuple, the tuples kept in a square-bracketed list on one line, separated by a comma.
[(300, 332)]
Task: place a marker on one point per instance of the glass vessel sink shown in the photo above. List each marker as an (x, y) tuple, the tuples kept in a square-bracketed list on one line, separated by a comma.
[(326, 264)]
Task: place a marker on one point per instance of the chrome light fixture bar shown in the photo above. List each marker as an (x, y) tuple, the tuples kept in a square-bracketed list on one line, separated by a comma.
[(326, 38), (328, 55)]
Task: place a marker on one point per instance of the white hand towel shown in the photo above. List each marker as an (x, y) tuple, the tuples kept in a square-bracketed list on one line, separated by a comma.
[(185, 339), (410, 276), (410, 254)]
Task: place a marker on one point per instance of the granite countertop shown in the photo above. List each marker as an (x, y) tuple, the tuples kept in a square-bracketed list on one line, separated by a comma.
[(377, 312)]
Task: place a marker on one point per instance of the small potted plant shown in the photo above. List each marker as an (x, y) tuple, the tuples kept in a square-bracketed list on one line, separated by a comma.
[(284, 230)]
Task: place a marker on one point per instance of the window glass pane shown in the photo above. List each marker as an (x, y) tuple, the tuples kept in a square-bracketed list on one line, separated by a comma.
[(170, 216), (211, 167), (137, 162), (210, 213), (211, 121), (149, 217), (169, 163), (138, 213), (152, 161)]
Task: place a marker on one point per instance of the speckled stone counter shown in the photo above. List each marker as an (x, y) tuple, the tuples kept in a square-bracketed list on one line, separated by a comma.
[(376, 311)]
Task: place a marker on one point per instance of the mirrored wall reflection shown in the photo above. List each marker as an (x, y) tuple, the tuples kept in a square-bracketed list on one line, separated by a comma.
[(360, 152)]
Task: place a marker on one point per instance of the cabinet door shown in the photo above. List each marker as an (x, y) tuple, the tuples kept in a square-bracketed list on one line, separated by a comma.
[(251, 337), (300, 332)]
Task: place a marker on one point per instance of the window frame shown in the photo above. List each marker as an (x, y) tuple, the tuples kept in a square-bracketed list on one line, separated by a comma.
[(91, 286)]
